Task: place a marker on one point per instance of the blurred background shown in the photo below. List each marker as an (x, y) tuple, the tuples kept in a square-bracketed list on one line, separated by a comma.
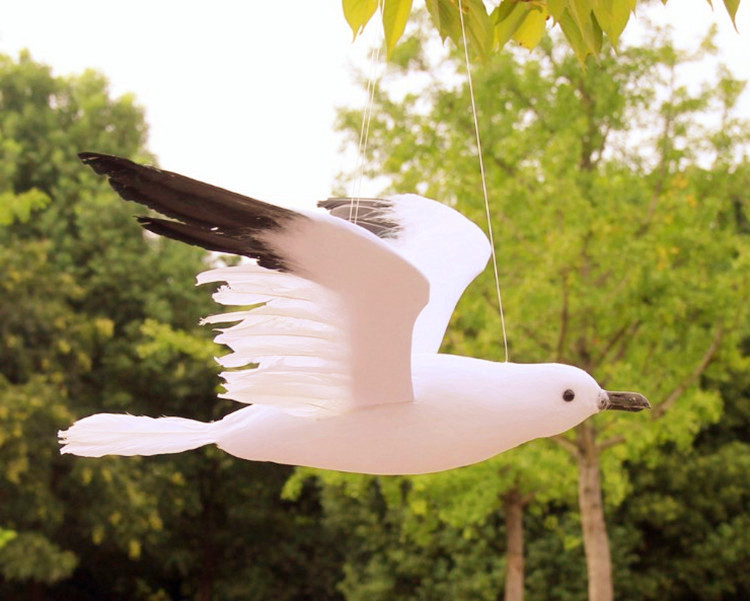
[(620, 202)]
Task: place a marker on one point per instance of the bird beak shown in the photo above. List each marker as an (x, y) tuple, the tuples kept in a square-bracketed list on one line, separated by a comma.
[(624, 401)]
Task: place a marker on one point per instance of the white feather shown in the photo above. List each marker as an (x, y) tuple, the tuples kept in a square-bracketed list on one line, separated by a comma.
[(111, 434)]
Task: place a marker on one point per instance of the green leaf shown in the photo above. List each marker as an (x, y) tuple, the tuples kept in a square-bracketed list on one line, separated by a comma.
[(556, 8), (19, 207), (395, 15), (732, 6), (6, 536), (582, 31), (441, 17), (163, 340), (478, 24), (573, 34), (31, 556), (593, 34), (580, 10), (612, 16), (507, 18), (531, 29), (358, 13)]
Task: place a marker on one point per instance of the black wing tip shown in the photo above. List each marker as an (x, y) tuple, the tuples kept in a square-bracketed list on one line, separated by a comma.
[(152, 224), (206, 216), (144, 221), (95, 160), (108, 164), (215, 240), (88, 155)]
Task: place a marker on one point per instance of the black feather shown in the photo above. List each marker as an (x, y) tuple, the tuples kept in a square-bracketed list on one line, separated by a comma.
[(373, 214), (210, 217), (216, 241)]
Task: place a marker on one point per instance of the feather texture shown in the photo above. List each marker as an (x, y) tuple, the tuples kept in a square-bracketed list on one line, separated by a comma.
[(207, 216), (111, 434), (296, 341)]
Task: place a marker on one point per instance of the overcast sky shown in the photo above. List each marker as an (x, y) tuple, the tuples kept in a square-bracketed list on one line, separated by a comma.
[(242, 93)]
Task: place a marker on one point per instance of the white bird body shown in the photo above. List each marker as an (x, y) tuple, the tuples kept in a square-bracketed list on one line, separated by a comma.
[(427, 435), (458, 417), (339, 345)]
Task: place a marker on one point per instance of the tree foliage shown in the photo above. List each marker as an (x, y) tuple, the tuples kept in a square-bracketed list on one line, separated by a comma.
[(98, 317), (623, 247), (586, 24)]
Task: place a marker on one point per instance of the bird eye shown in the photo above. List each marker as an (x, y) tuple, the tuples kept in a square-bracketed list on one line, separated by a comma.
[(569, 395)]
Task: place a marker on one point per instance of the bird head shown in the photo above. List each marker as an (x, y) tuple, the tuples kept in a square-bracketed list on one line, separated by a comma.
[(566, 395)]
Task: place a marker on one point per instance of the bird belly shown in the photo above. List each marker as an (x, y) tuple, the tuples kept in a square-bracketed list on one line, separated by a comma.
[(406, 438), (464, 411)]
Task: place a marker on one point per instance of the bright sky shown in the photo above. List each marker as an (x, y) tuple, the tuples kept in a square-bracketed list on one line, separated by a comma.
[(242, 93)]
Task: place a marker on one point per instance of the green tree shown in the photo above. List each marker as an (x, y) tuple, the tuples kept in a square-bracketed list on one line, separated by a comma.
[(47, 345), (619, 242), (683, 531), (98, 317), (459, 510)]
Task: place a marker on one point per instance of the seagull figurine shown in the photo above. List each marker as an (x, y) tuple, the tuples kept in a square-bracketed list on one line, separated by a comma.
[(335, 342)]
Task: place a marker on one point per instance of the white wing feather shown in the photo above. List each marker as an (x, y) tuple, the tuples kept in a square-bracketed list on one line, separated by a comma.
[(444, 245), (335, 337)]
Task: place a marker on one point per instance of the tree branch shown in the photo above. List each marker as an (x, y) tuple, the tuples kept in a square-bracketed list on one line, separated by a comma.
[(563, 320), (538, 341), (648, 363), (635, 326), (664, 147), (566, 444), (602, 143), (613, 341), (672, 397), (610, 442), (504, 165)]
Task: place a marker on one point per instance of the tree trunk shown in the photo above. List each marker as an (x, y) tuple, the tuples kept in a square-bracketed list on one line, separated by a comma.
[(595, 538), (513, 505), (205, 588), (36, 590), (208, 516)]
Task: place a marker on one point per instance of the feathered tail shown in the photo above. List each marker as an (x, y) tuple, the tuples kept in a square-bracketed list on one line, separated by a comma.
[(113, 434)]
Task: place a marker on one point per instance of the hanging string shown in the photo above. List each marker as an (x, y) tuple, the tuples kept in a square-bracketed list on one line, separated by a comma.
[(364, 132), (484, 180)]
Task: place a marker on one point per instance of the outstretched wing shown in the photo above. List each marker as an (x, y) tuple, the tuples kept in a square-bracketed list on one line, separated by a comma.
[(446, 247), (334, 330)]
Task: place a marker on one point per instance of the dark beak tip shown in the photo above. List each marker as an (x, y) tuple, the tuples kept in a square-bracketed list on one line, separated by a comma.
[(627, 401)]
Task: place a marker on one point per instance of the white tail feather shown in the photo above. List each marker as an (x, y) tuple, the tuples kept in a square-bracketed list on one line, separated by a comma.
[(112, 434)]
